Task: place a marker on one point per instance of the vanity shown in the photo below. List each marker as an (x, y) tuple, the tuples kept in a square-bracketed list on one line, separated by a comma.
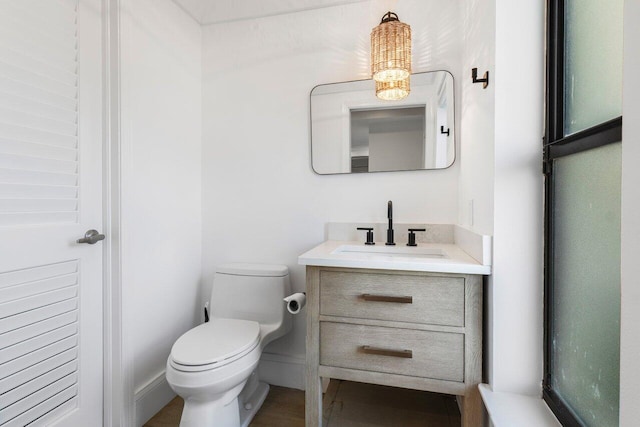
[(397, 316)]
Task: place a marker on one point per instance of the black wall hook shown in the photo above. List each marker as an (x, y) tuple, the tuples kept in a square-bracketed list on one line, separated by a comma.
[(442, 131), (484, 80)]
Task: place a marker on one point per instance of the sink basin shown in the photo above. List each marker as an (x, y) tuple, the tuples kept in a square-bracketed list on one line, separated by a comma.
[(390, 251)]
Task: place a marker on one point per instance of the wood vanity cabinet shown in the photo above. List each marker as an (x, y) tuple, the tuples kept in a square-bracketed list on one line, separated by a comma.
[(405, 329)]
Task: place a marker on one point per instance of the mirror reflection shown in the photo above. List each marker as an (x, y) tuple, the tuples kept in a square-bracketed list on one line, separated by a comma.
[(352, 131)]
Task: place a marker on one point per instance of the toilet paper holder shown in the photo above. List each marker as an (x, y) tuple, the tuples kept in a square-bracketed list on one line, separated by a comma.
[(295, 302)]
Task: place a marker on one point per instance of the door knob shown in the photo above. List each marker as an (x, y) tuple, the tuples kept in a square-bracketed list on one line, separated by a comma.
[(91, 237)]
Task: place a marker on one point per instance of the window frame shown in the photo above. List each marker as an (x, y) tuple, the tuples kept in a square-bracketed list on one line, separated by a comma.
[(556, 145)]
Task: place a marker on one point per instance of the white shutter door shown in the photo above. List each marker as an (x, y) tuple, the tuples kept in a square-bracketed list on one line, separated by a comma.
[(50, 194), (38, 112)]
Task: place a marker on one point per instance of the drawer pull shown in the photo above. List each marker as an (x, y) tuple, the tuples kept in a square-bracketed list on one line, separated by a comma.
[(405, 354), (388, 298)]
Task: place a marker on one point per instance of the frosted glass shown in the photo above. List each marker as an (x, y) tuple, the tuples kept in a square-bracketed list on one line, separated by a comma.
[(586, 276), (593, 63)]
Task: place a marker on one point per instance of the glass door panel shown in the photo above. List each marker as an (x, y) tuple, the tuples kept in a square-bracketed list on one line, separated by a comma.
[(593, 63), (585, 303)]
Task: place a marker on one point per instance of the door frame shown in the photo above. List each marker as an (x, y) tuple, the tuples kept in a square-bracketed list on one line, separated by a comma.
[(118, 396)]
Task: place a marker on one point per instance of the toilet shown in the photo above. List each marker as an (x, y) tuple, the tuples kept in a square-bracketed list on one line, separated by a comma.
[(213, 366)]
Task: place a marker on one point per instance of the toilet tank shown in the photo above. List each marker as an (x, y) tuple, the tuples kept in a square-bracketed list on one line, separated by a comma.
[(251, 292)]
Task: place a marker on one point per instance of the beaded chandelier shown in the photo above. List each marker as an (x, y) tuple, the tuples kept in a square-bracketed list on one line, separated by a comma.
[(391, 56), (393, 91)]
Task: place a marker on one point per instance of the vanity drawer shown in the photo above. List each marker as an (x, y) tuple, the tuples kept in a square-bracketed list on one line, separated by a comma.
[(403, 298), (426, 354)]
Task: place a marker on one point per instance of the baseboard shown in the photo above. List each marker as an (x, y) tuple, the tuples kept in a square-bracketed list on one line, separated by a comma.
[(282, 370), (151, 398)]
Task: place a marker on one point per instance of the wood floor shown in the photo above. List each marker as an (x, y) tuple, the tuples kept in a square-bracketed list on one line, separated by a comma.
[(346, 404)]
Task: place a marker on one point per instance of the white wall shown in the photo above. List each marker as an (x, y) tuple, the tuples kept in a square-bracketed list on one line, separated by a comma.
[(501, 180), (476, 122), (630, 271), (516, 285), (261, 200), (161, 186)]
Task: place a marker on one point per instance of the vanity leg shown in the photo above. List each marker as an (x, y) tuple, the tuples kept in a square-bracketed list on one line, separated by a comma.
[(313, 403), (472, 410), (313, 393), (472, 415)]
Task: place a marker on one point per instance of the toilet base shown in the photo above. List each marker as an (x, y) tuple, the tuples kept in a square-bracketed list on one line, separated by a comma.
[(195, 413), (250, 403), (235, 413)]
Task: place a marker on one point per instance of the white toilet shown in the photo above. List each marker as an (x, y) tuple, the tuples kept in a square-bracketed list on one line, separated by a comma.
[(212, 366)]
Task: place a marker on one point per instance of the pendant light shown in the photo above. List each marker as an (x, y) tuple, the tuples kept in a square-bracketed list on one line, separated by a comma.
[(393, 91), (391, 53)]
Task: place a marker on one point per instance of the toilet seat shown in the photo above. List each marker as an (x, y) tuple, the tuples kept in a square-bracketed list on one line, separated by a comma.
[(214, 344)]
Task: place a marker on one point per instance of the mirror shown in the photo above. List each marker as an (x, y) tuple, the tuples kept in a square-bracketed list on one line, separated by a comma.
[(352, 131)]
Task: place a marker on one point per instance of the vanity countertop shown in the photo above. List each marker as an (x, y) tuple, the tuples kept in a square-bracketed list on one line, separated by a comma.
[(431, 257)]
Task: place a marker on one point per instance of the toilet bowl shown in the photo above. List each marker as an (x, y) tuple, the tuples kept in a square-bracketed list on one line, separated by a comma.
[(213, 366)]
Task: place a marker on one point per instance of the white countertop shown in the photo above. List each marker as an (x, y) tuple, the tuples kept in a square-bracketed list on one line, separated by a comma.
[(455, 260)]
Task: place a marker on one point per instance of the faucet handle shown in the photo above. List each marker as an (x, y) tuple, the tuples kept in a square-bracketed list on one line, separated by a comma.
[(369, 235), (412, 236)]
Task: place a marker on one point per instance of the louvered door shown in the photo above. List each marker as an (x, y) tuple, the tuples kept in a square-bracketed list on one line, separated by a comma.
[(50, 194)]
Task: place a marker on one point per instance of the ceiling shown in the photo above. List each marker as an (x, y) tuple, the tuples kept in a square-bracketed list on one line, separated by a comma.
[(217, 11)]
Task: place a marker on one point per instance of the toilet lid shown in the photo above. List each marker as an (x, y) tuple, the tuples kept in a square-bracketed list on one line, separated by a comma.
[(215, 341)]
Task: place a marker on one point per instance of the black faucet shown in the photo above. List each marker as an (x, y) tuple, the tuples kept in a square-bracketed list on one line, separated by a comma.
[(390, 229)]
